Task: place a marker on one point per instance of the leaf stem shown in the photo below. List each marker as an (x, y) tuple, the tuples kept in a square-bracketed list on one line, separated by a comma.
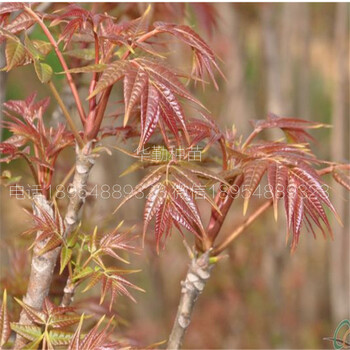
[(102, 105), (66, 114), (224, 153), (237, 231), (35, 175), (62, 61), (223, 200), (91, 131), (331, 168), (92, 104), (251, 137), (64, 181)]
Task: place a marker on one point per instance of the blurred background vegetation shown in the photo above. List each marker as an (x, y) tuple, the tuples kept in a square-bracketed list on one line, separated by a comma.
[(291, 59)]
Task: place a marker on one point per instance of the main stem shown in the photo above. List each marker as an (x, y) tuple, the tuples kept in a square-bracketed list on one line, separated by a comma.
[(196, 278), (42, 266)]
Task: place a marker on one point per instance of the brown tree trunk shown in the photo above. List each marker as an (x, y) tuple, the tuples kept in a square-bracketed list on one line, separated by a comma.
[(193, 285), (2, 82), (275, 253), (42, 266), (236, 107), (339, 257)]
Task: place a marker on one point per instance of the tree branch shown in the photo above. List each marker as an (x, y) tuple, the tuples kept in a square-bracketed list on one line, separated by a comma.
[(68, 293), (84, 162), (224, 200), (236, 232), (66, 114), (42, 266), (196, 278)]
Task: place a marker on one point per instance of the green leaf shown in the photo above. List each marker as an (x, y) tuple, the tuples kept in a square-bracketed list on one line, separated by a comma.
[(59, 337), (73, 238), (94, 279), (43, 71), (83, 273), (5, 330), (100, 67), (34, 344), (15, 53), (29, 332), (6, 178), (84, 54), (66, 254), (43, 46), (133, 167), (93, 241), (121, 51), (34, 52), (60, 321)]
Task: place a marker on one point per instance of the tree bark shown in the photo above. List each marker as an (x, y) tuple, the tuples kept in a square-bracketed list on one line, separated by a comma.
[(42, 266), (196, 279), (68, 293)]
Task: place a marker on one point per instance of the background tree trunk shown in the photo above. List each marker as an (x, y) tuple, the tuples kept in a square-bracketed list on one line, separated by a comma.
[(339, 257), (274, 255), (236, 108), (2, 82)]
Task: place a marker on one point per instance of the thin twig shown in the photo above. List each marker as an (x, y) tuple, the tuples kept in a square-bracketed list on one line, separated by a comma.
[(93, 83), (30, 164), (66, 114), (224, 153), (93, 128), (68, 293), (224, 200), (251, 137), (331, 168), (344, 344), (236, 232), (64, 181)]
